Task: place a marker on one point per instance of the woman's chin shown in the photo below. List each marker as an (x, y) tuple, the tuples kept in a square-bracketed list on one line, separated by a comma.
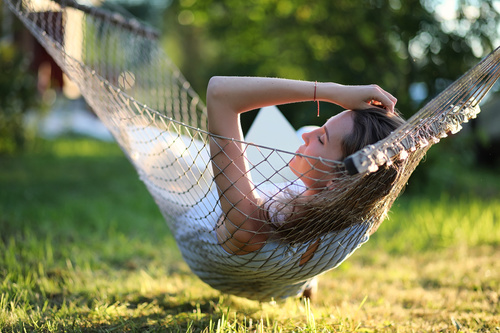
[(294, 171), (293, 164)]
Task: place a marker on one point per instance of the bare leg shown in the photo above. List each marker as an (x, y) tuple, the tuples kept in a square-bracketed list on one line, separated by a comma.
[(311, 289)]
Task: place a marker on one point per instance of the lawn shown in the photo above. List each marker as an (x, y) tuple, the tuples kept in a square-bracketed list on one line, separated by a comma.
[(84, 248)]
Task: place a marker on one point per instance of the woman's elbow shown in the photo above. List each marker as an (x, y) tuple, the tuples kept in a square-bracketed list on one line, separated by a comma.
[(243, 242), (214, 89), (240, 241)]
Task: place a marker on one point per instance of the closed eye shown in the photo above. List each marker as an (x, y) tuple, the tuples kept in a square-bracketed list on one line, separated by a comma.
[(320, 141)]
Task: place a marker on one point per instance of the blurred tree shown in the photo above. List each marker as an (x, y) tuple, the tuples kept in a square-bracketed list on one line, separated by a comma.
[(400, 45), (18, 94), (18, 86)]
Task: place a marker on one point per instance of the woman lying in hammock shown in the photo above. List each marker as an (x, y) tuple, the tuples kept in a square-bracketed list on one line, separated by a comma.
[(242, 228), (270, 246)]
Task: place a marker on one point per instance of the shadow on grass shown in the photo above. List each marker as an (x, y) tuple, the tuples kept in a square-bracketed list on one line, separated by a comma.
[(160, 313), (174, 316)]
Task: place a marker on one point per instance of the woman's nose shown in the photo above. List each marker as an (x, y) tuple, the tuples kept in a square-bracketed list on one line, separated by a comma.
[(305, 137), (304, 130)]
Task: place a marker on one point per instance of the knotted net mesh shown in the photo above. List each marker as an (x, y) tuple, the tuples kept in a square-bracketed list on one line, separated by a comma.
[(161, 125)]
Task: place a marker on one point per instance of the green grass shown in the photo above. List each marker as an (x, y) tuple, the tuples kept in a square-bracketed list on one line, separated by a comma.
[(83, 247)]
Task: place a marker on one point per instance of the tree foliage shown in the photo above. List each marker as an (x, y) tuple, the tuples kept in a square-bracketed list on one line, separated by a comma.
[(17, 96), (393, 43)]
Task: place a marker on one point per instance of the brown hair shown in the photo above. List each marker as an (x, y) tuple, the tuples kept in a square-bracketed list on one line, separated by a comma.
[(350, 199), (370, 126)]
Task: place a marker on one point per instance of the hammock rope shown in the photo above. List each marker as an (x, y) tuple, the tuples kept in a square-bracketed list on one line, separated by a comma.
[(161, 125)]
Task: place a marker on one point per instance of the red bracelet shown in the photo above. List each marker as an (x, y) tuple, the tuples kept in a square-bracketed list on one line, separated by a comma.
[(315, 87)]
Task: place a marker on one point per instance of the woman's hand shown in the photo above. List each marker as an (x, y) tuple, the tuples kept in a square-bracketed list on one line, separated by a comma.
[(356, 97)]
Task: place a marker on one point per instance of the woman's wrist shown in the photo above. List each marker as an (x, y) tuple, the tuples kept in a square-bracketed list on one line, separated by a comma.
[(327, 91)]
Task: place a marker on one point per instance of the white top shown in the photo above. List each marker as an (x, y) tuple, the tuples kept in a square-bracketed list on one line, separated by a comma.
[(273, 272)]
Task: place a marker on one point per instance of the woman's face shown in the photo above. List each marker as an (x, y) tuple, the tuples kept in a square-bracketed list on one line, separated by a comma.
[(324, 142)]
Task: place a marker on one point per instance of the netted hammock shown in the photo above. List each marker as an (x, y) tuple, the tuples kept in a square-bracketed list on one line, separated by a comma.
[(161, 125)]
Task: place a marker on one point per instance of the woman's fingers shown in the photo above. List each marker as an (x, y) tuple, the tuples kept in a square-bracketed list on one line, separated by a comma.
[(382, 98), (361, 97)]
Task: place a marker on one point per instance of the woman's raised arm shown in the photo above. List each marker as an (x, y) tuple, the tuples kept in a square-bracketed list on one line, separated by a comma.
[(242, 229)]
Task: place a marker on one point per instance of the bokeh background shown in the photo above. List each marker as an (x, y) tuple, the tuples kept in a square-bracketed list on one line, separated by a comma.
[(414, 49)]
